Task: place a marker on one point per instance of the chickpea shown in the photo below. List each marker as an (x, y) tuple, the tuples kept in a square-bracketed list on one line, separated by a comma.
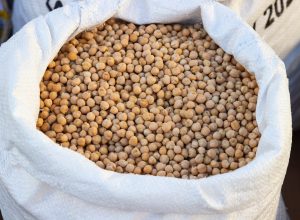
[(160, 100)]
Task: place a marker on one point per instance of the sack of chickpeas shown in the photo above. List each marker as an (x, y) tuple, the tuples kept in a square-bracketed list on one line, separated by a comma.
[(142, 110)]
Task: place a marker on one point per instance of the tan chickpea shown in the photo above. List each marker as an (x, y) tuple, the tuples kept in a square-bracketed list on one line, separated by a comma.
[(158, 99), (72, 56)]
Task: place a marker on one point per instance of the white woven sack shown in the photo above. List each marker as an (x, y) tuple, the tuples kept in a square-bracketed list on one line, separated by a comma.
[(40, 180)]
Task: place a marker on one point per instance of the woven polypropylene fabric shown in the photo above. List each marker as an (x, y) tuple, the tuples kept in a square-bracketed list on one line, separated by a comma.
[(40, 180)]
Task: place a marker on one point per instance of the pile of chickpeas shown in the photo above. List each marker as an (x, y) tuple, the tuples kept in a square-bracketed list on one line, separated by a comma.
[(155, 99)]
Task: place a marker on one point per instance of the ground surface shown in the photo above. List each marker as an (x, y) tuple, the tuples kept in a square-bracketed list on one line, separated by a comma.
[(291, 185)]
